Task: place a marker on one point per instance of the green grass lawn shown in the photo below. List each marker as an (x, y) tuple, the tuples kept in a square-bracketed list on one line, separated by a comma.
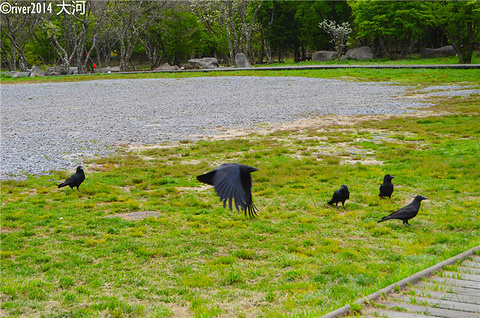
[(61, 256)]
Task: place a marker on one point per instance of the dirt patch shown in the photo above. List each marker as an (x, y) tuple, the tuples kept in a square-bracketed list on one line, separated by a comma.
[(307, 123), (33, 191), (131, 147), (301, 124), (178, 311), (133, 216), (321, 123), (372, 162), (203, 187), (6, 230), (93, 167)]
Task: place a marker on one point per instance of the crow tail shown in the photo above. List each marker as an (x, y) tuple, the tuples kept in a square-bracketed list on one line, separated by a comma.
[(385, 218)]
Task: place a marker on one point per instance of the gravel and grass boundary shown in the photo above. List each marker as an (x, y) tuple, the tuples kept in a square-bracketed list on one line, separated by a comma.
[(55, 126)]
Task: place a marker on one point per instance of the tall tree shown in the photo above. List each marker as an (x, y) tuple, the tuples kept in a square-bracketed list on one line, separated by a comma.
[(235, 21), (16, 31), (184, 37), (460, 21), (130, 19), (292, 26), (393, 24), (281, 29), (311, 13), (73, 35)]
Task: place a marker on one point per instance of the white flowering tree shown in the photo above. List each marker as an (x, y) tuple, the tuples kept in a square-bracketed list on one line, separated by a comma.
[(338, 32)]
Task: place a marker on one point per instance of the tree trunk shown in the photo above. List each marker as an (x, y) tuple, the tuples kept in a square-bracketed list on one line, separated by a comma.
[(296, 53), (10, 64), (268, 51), (384, 48), (464, 50), (123, 59), (261, 54), (133, 65), (304, 55), (229, 40)]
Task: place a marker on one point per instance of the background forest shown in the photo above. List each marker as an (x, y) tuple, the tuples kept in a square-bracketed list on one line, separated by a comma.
[(85, 34)]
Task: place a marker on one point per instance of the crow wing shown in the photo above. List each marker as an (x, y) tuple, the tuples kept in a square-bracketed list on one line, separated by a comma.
[(386, 189), (407, 212), (336, 197), (233, 184), (74, 180)]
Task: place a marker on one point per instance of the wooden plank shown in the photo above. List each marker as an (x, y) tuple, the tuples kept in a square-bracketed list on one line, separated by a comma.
[(469, 270), (437, 312), (471, 264), (454, 282), (449, 289), (462, 276), (452, 305), (447, 296), (379, 312)]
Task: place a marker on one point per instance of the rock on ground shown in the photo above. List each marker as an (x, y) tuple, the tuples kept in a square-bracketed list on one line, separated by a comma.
[(359, 53), (443, 51), (204, 63), (241, 61), (323, 56), (36, 71)]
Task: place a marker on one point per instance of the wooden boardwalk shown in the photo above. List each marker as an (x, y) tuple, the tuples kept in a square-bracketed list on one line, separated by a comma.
[(438, 291), (452, 293)]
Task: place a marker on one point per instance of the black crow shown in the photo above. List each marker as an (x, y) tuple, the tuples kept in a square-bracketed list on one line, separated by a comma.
[(407, 212), (340, 195), (232, 182), (75, 179), (386, 189)]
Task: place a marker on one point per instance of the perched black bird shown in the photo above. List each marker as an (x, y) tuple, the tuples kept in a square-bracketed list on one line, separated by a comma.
[(386, 189), (75, 179), (340, 195), (232, 182), (407, 212)]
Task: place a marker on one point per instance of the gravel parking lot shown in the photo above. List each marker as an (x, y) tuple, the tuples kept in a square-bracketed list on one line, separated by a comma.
[(54, 126)]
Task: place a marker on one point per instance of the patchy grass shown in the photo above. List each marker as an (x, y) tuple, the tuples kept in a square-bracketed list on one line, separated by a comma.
[(300, 258)]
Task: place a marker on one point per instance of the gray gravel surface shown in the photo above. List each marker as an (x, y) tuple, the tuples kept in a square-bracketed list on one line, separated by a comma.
[(55, 126)]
